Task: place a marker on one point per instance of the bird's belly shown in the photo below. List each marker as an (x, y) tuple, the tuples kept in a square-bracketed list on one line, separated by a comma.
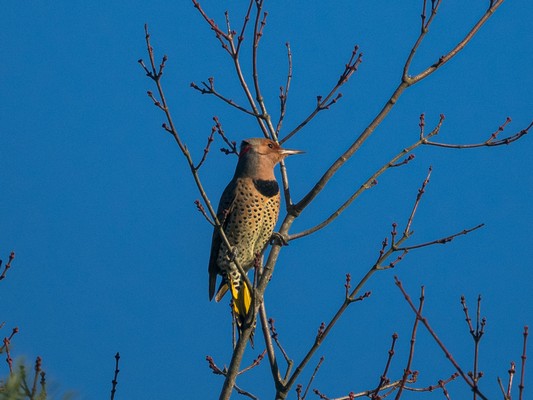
[(250, 228)]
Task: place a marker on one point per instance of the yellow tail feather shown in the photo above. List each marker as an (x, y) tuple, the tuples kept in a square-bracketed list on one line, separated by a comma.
[(242, 299)]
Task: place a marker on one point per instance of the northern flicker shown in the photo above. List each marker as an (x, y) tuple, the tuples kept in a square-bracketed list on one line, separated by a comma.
[(248, 211)]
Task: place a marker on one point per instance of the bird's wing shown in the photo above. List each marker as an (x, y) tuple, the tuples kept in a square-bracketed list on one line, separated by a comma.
[(225, 207)]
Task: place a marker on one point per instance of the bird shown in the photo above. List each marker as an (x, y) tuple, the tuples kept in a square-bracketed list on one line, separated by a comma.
[(248, 211)]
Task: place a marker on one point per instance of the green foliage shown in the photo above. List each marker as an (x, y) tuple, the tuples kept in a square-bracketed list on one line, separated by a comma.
[(16, 386), (12, 389)]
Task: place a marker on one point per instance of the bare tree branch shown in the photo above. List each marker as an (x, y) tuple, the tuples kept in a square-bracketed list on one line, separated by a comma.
[(312, 377), (371, 181), (449, 356), (407, 81), (452, 53), (255, 363), (114, 382), (407, 370), (443, 240), (206, 149), (210, 89), (523, 365), (332, 97), (476, 336), (490, 142), (284, 92), (379, 265), (7, 265), (228, 44), (383, 380), (275, 336), (269, 334), (390, 387)]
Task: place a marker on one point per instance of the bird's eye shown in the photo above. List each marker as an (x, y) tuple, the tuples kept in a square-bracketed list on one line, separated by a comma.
[(270, 145)]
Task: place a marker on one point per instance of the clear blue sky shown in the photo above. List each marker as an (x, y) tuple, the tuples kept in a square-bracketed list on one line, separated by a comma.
[(112, 255)]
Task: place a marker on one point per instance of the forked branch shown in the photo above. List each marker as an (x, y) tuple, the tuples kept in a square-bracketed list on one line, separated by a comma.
[(448, 355), (407, 81), (324, 103), (372, 181), (382, 263)]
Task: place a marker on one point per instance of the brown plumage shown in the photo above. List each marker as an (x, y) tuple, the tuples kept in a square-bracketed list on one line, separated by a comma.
[(248, 211)]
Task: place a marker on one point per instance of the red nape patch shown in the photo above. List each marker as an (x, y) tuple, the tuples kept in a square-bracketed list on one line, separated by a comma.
[(244, 150)]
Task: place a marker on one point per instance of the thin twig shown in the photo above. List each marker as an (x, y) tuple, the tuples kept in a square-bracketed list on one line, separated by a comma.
[(383, 380), (500, 384), (42, 382), (511, 372), (240, 38), (268, 336), (523, 366), (274, 335), (37, 368), (259, 26), (6, 347), (206, 149), (245, 393), (312, 377), (14, 331), (218, 371), (7, 266), (467, 316), (114, 382), (444, 240), (201, 209), (407, 370), (254, 363), (220, 35), (490, 142), (368, 393), (421, 191), (284, 92), (210, 89), (231, 144), (9, 360), (213, 367)]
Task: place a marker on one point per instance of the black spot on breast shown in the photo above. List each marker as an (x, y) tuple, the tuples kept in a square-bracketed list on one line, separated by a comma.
[(266, 188)]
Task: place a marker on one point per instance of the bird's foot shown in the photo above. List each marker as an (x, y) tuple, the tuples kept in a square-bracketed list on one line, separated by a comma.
[(232, 254), (279, 239)]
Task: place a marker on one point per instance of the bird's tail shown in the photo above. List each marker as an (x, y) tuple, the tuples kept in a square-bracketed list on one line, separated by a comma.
[(242, 302)]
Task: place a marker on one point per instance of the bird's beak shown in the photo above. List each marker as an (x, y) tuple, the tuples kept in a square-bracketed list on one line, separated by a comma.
[(287, 152)]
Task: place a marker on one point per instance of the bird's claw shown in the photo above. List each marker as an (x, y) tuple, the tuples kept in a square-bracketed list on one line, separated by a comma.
[(232, 255)]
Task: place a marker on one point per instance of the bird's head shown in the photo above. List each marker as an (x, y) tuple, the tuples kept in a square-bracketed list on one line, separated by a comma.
[(258, 157)]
